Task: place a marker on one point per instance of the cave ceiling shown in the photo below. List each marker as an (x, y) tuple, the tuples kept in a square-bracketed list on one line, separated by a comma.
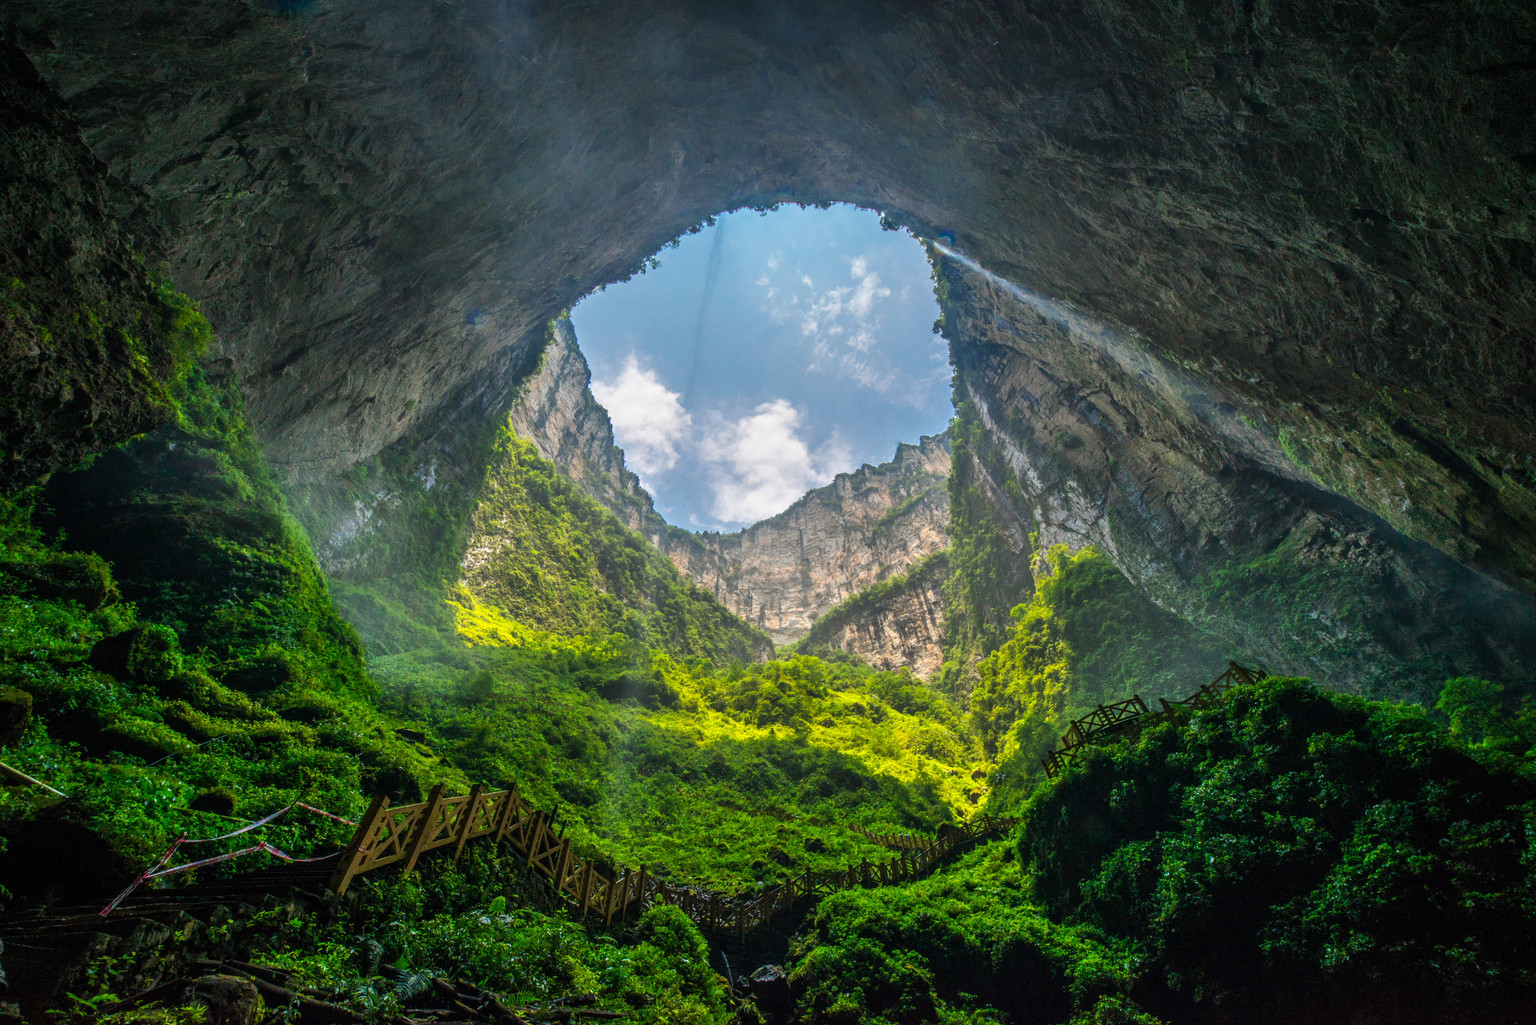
[(1319, 216)]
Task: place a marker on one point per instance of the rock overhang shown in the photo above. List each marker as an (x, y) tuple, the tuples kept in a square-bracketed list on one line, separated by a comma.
[(380, 205)]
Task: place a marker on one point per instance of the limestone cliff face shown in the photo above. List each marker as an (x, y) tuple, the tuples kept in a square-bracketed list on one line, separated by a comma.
[(1207, 502), (894, 625), (865, 527), (555, 410)]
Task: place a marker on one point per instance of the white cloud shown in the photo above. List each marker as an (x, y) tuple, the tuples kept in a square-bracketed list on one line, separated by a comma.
[(758, 465), (649, 422), (862, 304), (842, 324)]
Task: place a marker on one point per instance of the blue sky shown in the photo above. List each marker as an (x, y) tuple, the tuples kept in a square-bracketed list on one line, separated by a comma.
[(764, 356)]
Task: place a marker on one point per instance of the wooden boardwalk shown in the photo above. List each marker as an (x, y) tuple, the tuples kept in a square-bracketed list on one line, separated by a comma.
[(390, 835), (1107, 721)]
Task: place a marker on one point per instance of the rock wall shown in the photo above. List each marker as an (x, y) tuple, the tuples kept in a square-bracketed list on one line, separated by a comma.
[(85, 351), (555, 410), (1199, 497), (899, 626), (1323, 212), (865, 527)]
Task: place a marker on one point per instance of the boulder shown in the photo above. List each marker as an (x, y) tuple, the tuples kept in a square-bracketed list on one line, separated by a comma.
[(72, 576), (230, 1000), (772, 994)]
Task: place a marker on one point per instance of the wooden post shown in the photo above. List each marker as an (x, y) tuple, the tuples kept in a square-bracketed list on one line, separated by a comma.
[(467, 817), (585, 886), (562, 865), (640, 880), (536, 837), (509, 813), (425, 829), (618, 891), (352, 857)]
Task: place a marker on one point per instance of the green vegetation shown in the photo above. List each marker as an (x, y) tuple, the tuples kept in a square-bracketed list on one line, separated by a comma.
[(1286, 855), (156, 337), (202, 542), (1320, 596), (725, 775), (964, 947), (178, 640), (1086, 637), (201, 662), (987, 577), (391, 573), (892, 515), (472, 921), (1293, 855), (552, 558)]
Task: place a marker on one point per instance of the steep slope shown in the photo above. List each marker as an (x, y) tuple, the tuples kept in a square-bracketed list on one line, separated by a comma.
[(554, 409), (894, 624), (93, 344), (551, 558)]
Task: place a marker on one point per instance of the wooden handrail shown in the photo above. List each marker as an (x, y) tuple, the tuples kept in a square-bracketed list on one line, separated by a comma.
[(1111, 718)]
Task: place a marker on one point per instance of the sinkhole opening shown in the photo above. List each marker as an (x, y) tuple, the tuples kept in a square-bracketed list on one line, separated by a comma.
[(764, 353)]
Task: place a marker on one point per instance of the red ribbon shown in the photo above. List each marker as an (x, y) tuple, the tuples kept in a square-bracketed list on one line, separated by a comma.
[(158, 870)]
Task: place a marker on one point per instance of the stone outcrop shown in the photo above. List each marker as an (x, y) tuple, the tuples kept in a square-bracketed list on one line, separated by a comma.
[(865, 527)]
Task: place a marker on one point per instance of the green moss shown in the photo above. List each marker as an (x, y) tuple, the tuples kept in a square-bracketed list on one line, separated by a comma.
[(156, 340), (202, 542), (167, 605)]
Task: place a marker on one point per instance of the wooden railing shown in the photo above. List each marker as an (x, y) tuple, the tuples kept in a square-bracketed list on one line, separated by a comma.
[(962, 833), (1110, 719), (390, 835)]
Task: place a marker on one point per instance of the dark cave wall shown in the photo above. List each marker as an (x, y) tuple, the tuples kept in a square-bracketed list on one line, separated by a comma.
[(1094, 439), (92, 345), (1323, 213)]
